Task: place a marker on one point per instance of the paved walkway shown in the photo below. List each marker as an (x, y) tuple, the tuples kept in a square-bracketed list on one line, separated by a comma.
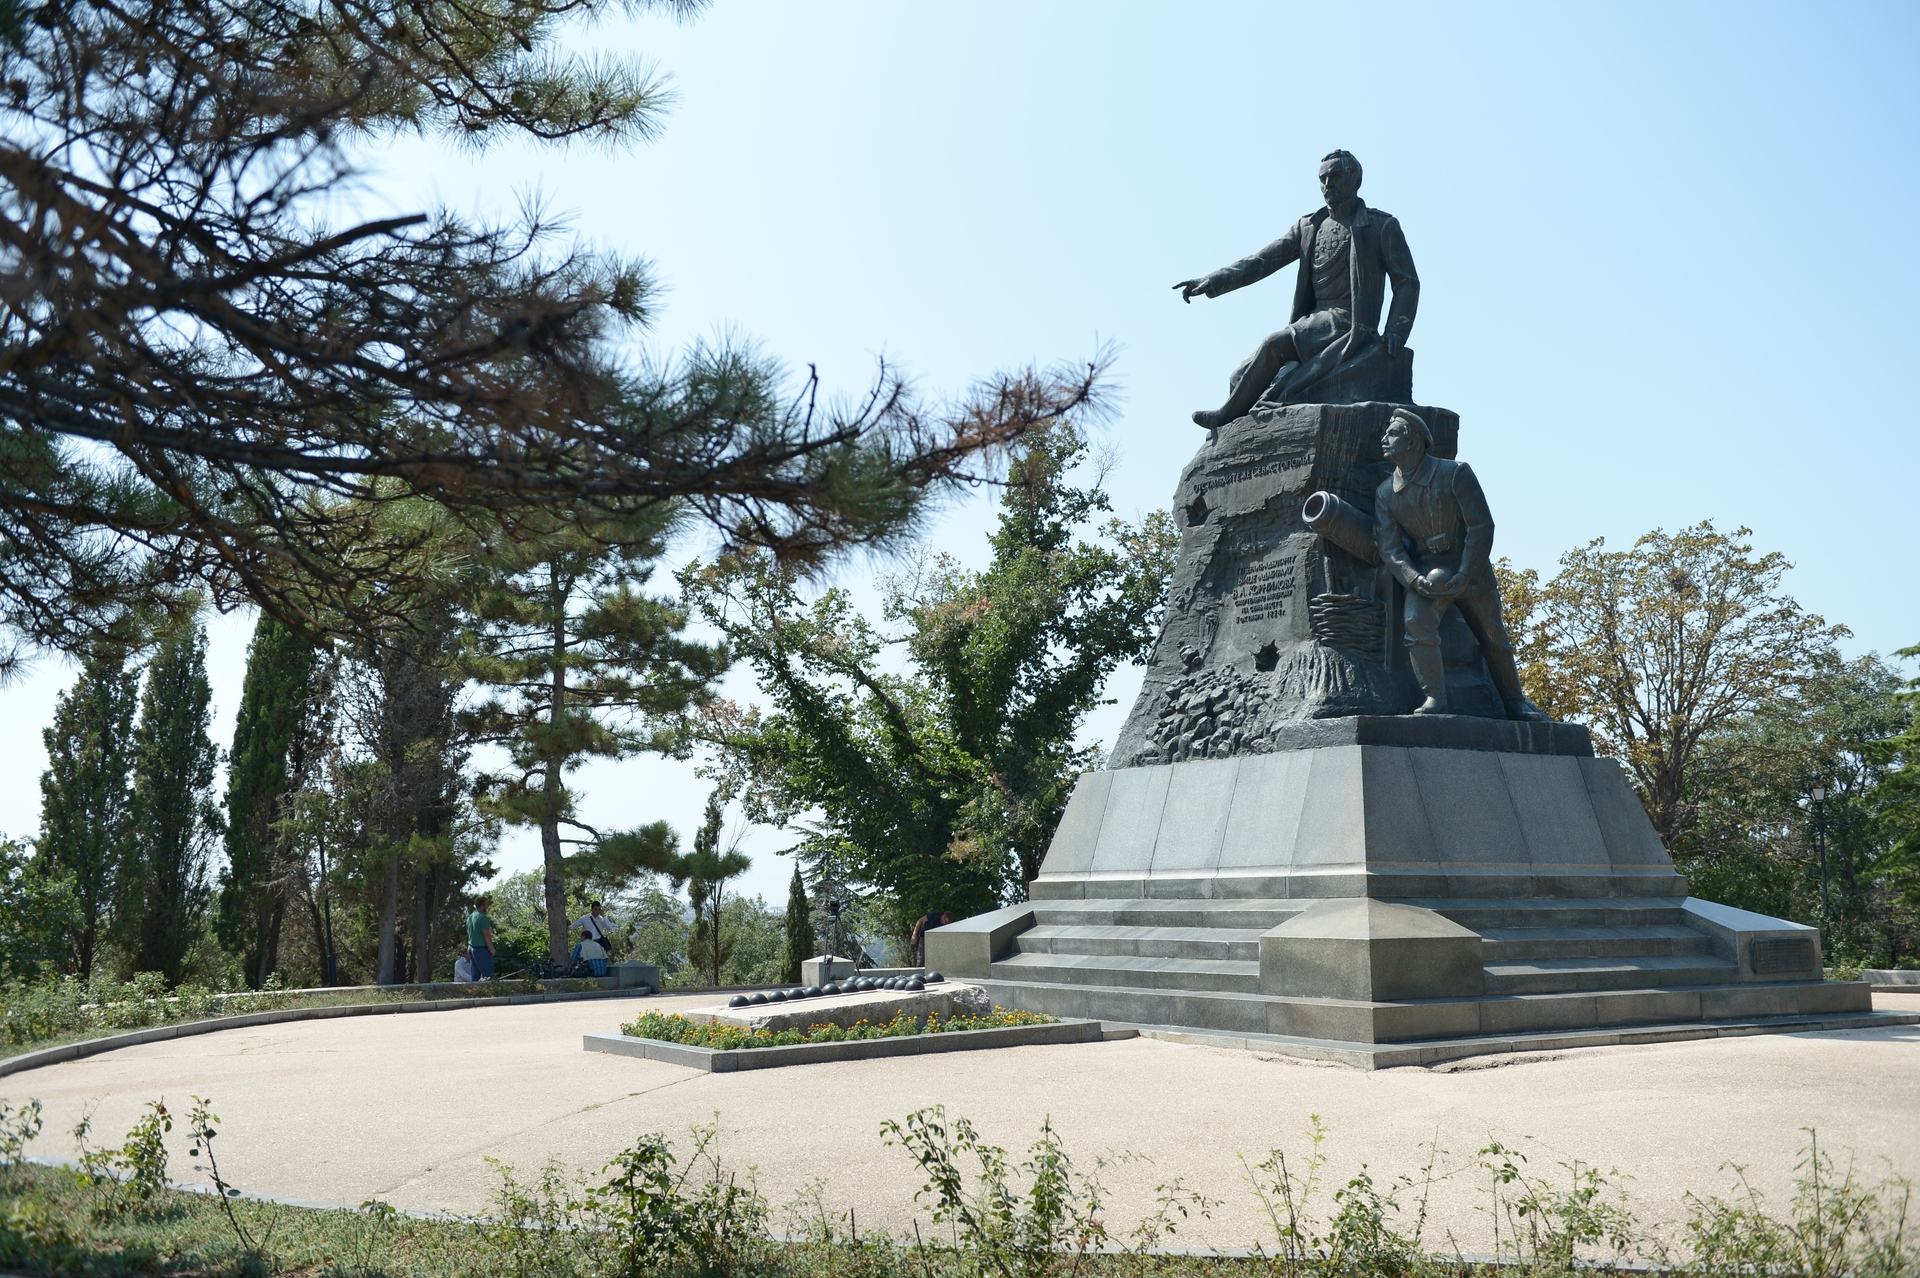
[(407, 1109)]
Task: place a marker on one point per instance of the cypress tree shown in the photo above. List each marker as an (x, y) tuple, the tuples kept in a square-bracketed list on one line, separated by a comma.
[(268, 741), (800, 940), (164, 892), (86, 800)]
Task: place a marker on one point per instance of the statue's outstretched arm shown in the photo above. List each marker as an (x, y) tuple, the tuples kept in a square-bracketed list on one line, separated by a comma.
[(1248, 270)]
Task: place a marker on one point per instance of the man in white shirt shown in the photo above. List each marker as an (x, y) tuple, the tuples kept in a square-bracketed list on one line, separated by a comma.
[(596, 925)]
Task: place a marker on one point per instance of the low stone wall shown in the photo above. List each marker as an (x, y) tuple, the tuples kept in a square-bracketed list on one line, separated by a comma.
[(186, 1029)]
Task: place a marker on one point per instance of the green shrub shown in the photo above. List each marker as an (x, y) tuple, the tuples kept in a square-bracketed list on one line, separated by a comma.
[(678, 1029)]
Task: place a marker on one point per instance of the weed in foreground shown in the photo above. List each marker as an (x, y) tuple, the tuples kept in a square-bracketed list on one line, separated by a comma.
[(655, 1212), (1362, 1237), (1838, 1225), (1541, 1227), (132, 1179)]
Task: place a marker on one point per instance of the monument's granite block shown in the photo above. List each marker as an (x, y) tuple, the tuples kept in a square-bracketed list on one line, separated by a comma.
[(1269, 623)]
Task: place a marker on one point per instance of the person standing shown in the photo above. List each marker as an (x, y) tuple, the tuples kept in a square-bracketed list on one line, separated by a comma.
[(480, 939), (597, 926), (931, 919)]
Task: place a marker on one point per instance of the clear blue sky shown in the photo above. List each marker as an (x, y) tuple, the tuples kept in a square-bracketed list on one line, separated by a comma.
[(1666, 251)]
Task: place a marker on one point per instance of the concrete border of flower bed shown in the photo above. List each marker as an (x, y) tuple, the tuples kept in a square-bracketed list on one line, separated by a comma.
[(727, 1060), (184, 1029)]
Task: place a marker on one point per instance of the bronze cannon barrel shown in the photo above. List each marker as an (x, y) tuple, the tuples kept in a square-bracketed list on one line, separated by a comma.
[(1342, 523)]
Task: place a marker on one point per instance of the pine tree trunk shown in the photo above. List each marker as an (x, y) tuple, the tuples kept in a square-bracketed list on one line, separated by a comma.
[(89, 935), (312, 903), (389, 923), (270, 940), (550, 822), (556, 884)]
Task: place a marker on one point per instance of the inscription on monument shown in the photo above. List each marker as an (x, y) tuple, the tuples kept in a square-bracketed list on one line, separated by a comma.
[(1240, 474), (1263, 592)]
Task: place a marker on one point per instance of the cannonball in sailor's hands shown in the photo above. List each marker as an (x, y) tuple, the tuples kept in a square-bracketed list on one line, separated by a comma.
[(1436, 580)]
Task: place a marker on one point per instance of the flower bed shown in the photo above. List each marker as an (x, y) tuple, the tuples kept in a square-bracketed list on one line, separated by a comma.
[(678, 1029)]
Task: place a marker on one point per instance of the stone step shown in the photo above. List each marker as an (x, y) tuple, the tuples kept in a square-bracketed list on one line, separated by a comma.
[(1241, 944), (1439, 1018), (1029, 989), (1255, 914), (1513, 944), (1588, 975), (1483, 913), (1213, 975)]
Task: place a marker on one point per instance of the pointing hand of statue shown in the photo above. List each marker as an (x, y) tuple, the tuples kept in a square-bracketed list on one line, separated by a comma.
[(1188, 288)]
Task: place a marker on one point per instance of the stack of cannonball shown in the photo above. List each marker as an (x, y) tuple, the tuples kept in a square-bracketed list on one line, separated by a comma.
[(856, 985)]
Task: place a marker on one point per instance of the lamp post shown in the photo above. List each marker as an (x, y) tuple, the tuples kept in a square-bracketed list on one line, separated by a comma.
[(1819, 796)]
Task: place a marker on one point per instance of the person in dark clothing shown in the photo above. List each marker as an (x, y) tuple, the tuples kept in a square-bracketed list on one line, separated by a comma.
[(931, 919)]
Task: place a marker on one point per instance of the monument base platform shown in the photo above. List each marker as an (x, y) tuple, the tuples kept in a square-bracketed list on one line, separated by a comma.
[(1544, 1045), (1382, 894)]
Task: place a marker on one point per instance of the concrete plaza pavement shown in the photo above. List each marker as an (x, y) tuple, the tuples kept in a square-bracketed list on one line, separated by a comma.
[(408, 1109)]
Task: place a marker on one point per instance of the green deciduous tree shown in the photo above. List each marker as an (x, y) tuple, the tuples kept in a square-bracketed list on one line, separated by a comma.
[(274, 741), (1747, 836), (1731, 705), (1896, 810), (940, 784), (582, 664), (163, 894), (1658, 647), (86, 796), (39, 914), (801, 944)]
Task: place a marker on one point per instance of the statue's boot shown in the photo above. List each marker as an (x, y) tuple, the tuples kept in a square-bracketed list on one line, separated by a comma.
[(1246, 393), (1430, 668), (1506, 680)]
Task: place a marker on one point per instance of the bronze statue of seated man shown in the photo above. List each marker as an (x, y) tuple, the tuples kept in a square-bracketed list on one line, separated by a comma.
[(1348, 253)]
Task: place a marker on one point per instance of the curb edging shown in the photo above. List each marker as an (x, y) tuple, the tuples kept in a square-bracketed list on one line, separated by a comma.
[(1432, 1052), (729, 1060), (186, 1029)]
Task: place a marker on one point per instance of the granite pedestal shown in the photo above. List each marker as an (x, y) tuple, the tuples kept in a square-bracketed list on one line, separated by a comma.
[(1382, 893)]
